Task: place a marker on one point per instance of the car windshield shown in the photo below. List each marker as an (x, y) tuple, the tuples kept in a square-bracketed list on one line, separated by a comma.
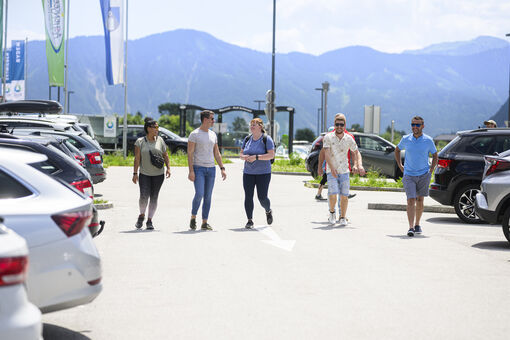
[(169, 133)]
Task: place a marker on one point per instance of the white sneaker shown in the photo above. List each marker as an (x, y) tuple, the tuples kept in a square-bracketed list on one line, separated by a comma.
[(342, 222), (332, 218)]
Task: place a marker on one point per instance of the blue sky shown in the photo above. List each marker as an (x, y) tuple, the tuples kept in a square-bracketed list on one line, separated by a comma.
[(310, 26)]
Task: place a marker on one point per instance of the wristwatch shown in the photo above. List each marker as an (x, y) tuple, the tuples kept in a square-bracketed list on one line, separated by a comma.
[(257, 157), (222, 168)]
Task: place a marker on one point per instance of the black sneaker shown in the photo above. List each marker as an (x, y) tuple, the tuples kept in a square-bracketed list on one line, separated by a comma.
[(249, 224), (269, 217), (139, 222), (410, 232), (320, 198), (206, 226), (417, 229), (193, 224), (149, 225), (351, 196)]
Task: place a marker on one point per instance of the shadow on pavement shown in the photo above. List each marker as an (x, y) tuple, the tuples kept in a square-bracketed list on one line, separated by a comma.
[(405, 237), (455, 220), (493, 245), (136, 231), (243, 229), (191, 232), (53, 332)]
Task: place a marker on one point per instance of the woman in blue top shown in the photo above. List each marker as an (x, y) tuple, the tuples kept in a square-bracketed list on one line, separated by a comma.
[(257, 152)]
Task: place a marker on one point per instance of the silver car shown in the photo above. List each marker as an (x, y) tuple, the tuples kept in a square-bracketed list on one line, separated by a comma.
[(493, 202)]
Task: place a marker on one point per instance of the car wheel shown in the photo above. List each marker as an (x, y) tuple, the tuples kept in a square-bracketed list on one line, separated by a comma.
[(181, 150), (506, 224), (464, 203)]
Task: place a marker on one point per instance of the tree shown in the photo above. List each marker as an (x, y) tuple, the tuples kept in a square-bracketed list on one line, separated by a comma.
[(305, 134), (133, 119), (169, 109), (356, 128), (172, 123), (240, 128), (397, 136)]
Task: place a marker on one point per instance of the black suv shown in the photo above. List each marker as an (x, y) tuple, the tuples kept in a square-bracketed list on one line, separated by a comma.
[(458, 175), (174, 142), (378, 154)]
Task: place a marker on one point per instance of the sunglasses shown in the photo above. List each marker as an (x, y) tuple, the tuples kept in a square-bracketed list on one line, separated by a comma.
[(415, 125), (340, 124), (211, 118)]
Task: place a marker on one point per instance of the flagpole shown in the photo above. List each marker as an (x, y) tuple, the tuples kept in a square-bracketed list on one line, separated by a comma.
[(66, 67), (4, 49), (124, 130)]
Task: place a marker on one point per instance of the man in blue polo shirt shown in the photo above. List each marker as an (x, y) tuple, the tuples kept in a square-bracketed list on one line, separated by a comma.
[(416, 170)]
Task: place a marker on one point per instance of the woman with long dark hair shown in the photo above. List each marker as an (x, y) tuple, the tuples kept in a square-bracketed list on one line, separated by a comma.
[(151, 177)]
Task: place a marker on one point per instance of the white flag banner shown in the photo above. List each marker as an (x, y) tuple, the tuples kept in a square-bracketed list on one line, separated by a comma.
[(15, 90), (113, 22)]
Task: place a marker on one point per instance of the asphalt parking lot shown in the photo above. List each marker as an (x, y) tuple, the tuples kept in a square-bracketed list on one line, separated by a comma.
[(298, 279)]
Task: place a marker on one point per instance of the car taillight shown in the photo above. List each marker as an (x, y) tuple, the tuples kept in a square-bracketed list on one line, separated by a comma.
[(444, 163), (84, 186), (13, 270), (72, 223), (94, 158), (496, 165), (80, 158)]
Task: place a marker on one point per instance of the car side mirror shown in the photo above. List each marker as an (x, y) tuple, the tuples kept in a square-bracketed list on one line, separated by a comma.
[(389, 149)]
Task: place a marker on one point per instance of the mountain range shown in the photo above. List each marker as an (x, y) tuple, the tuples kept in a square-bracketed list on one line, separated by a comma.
[(453, 86)]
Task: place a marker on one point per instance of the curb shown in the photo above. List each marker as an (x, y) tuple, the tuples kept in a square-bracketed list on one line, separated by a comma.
[(402, 207), (316, 185), (290, 173), (103, 206)]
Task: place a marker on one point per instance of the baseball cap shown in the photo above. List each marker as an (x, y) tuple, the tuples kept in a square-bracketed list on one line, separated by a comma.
[(490, 121)]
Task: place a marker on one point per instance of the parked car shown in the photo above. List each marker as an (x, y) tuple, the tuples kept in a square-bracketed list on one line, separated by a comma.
[(378, 154), (58, 165), (493, 202), (93, 155), (459, 171), (65, 267), (174, 142), (19, 319)]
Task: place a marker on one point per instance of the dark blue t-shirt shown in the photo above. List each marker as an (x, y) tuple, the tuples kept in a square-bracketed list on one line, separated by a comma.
[(256, 147)]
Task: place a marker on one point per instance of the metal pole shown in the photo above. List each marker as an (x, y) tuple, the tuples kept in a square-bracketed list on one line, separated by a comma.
[(49, 92), (325, 87), (324, 125), (124, 130), (318, 121), (4, 49), (392, 130), (66, 67), (26, 67), (272, 113), (258, 102), (58, 94), (68, 101), (508, 35)]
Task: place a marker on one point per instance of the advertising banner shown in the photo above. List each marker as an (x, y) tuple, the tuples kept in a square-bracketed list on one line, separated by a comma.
[(1, 34), (110, 126), (15, 82), (54, 20), (113, 22)]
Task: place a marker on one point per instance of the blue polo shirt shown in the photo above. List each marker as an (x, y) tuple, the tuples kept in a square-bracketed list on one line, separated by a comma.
[(417, 153), (257, 147)]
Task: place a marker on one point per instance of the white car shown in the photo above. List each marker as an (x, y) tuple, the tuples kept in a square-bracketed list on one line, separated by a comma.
[(19, 319), (65, 267)]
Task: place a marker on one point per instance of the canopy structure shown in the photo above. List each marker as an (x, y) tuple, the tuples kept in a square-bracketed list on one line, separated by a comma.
[(221, 111)]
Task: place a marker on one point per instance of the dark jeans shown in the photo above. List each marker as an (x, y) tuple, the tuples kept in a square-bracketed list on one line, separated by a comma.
[(149, 189), (262, 184)]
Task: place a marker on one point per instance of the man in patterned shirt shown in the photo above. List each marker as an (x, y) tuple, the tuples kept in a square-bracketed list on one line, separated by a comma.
[(337, 146)]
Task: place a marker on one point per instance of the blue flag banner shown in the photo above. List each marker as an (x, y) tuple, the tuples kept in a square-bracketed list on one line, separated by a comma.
[(113, 22), (15, 82)]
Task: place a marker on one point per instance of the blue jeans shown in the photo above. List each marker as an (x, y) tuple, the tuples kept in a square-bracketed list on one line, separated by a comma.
[(204, 183)]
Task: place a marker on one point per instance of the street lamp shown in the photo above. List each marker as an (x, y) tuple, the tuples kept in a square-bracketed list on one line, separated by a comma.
[(322, 108), (258, 102), (68, 102)]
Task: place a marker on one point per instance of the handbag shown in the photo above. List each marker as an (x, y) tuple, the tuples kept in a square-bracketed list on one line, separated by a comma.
[(156, 160)]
